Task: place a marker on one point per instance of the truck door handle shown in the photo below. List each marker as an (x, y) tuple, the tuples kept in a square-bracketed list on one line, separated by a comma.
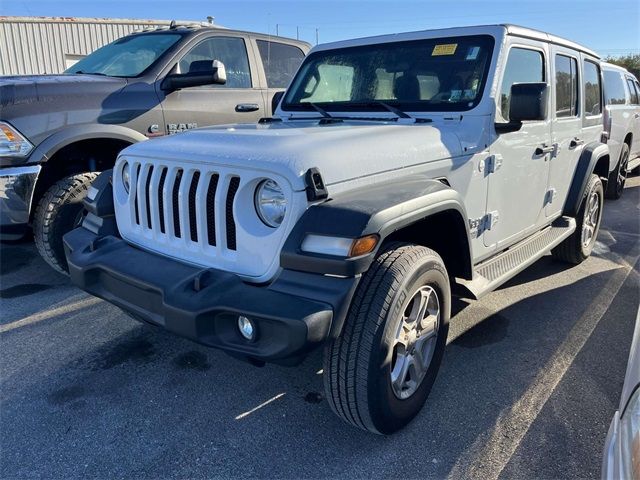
[(576, 142), (247, 107), (544, 149)]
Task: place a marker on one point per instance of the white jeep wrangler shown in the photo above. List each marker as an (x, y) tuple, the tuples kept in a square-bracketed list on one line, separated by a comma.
[(396, 170)]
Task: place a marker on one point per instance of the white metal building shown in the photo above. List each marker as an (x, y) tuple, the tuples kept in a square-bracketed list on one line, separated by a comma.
[(35, 45)]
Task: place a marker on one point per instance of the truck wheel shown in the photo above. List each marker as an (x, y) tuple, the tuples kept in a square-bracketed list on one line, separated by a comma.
[(577, 247), (59, 211), (379, 371), (618, 177)]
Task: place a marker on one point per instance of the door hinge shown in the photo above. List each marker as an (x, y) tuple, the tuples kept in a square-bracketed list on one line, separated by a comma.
[(550, 196), (491, 164), (478, 226)]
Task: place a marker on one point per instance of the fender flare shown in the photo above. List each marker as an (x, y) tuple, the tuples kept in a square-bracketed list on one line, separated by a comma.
[(380, 209), (47, 148), (586, 166)]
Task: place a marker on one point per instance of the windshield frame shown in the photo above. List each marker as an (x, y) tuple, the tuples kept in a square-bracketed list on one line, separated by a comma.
[(176, 45), (421, 106)]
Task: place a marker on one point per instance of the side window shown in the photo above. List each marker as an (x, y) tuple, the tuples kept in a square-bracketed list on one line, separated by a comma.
[(634, 92), (523, 66), (592, 89), (566, 86), (614, 91), (229, 50), (280, 62)]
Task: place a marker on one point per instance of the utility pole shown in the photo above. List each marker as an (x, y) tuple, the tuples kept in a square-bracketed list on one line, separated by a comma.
[(316, 36), (297, 32), (277, 30)]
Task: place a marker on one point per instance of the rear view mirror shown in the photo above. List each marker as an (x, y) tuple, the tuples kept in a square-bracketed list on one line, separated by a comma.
[(528, 102), (200, 73)]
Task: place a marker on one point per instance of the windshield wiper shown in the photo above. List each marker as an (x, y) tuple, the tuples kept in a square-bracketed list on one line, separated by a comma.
[(90, 73), (392, 109), (320, 110)]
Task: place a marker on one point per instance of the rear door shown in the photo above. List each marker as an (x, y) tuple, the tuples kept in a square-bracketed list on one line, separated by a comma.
[(240, 100), (279, 62), (566, 126), (634, 88)]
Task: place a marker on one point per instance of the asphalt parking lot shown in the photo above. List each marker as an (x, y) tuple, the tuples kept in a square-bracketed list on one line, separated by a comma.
[(530, 380)]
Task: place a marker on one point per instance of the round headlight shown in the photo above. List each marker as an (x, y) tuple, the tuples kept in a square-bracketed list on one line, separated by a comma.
[(126, 176), (271, 204)]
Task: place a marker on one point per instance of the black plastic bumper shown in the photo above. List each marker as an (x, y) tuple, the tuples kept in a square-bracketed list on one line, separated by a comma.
[(293, 315)]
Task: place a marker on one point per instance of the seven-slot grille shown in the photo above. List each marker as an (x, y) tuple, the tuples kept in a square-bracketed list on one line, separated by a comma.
[(190, 204)]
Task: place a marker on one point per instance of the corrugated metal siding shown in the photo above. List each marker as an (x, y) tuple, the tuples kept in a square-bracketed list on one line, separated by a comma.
[(34, 46)]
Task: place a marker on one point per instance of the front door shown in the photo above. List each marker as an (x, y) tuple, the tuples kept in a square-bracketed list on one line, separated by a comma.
[(566, 126), (517, 188), (240, 100)]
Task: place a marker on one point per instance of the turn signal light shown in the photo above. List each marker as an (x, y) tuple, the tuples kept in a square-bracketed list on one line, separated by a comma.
[(363, 245)]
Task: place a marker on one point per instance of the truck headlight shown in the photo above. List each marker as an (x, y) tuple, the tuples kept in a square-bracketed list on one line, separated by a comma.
[(630, 438), (270, 203), (126, 176), (12, 143)]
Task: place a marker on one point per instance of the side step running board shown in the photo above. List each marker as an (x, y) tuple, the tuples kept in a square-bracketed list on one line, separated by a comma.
[(492, 273)]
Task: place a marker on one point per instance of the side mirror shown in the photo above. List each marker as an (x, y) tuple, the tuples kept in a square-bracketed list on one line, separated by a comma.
[(200, 73), (275, 101), (528, 102)]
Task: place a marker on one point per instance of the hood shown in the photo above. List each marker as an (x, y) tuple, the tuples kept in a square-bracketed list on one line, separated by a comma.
[(34, 103), (342, 151)]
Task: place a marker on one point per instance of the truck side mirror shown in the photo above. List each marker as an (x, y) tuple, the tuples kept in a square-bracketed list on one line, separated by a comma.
[(201, 72), (528, 102)]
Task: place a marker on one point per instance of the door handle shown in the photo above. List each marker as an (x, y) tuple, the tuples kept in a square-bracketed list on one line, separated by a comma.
[(544, 149), (576, 142), (247, 107)]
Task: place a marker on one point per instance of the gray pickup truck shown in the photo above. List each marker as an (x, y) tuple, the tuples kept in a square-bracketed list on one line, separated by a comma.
[(58, 131)]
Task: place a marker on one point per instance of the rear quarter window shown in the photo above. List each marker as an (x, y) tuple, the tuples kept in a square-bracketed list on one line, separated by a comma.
[(614, 91), (592, 89)]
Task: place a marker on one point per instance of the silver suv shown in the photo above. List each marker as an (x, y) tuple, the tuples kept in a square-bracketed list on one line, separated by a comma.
[(397, 171)]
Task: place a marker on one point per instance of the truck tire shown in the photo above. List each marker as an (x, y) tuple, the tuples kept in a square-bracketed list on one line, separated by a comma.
[(380, 370), (617, 179), (59, 211), (576, 248)]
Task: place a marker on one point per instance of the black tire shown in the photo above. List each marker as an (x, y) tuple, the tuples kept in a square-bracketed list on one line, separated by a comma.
[(59, 211), (573, 249), (358, 364), (617, 179)]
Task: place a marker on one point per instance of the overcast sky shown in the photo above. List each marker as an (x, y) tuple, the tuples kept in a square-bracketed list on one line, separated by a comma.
[(611, 27)]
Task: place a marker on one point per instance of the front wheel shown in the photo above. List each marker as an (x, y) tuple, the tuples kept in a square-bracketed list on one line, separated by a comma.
[(380, 370), (617, 179), (578, 246), (60, 211)]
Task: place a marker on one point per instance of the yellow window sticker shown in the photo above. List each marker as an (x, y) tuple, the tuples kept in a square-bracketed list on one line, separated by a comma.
[(446, 49)]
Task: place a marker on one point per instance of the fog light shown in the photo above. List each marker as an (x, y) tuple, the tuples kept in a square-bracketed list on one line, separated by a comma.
[(246, 327)]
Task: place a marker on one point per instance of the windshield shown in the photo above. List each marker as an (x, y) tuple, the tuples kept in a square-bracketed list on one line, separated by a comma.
[(126, 57), (443, 74)]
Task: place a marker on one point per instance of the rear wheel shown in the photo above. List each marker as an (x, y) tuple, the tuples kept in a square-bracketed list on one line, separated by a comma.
[(60, 211), (617, 179), (380, 370), (577, 247)]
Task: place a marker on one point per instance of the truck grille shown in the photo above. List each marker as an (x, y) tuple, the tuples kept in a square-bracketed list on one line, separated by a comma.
[(169, 202)]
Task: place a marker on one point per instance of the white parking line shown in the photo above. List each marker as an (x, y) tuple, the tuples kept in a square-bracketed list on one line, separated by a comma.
[(491, 452), (263, 404), (45, 315)]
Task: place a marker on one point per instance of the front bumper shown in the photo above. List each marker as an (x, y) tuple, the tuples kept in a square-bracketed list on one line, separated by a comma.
[(293, 315), (16, 192)]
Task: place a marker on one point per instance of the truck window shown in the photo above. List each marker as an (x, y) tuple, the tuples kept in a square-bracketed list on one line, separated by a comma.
[(229, 50), (633, 91), (592, 89), (523, 66), (566, 86), (280, 62), (614, 91)]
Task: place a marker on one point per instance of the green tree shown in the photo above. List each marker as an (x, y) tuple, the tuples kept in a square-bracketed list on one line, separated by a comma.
[(631, 62)]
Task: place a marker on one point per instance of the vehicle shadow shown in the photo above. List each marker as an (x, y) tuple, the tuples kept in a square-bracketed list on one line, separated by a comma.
[(145, 403)]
